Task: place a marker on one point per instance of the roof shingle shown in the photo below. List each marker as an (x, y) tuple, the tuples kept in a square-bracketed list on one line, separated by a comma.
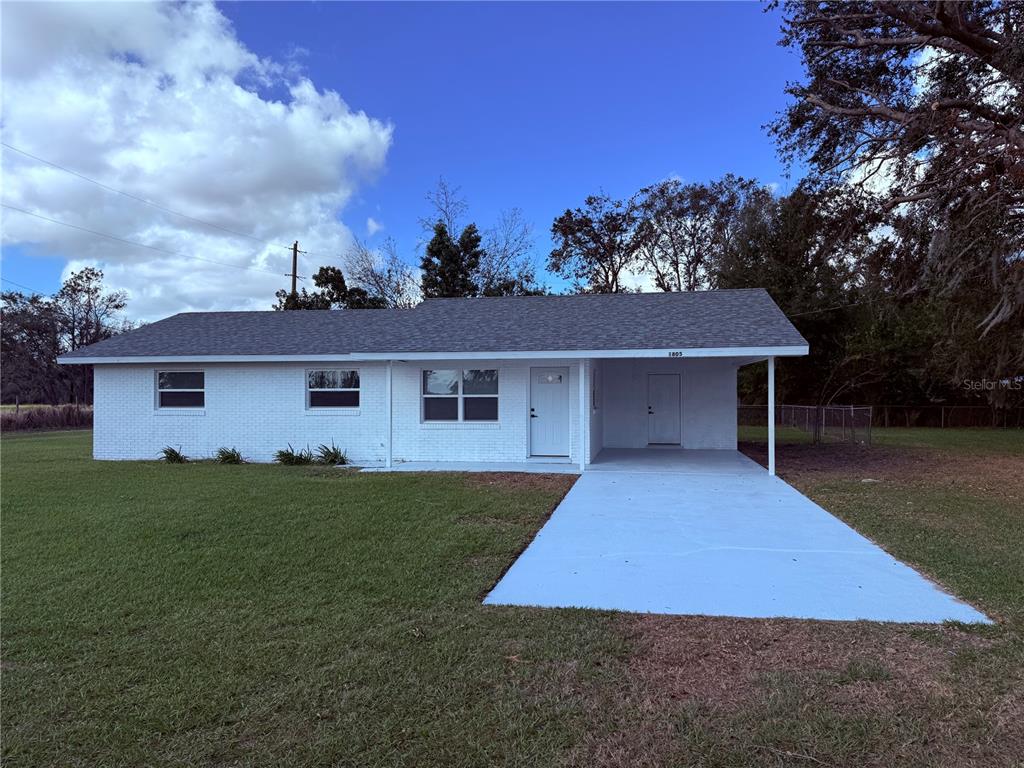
[(689, 320)]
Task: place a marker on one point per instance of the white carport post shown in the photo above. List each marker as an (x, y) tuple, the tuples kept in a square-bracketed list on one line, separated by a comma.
[(387, 396), (771, 415), (583, 414)]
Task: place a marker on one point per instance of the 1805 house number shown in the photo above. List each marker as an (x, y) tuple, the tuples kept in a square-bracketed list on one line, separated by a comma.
[(675, 354)]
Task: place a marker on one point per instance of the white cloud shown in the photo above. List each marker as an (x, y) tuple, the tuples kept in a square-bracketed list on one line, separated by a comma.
[(373, 226), (164, 102)]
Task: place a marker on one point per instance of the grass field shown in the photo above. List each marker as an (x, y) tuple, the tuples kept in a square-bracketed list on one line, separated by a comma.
[(981, 440), (264, 615)]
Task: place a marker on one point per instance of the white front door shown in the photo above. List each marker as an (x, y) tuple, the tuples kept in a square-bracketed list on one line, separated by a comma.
[(549, 411), (663, 427)]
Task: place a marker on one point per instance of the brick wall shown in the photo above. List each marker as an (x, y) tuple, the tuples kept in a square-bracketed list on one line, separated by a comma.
[(257, 408), (707, 408), (260, 408), (506, 440)]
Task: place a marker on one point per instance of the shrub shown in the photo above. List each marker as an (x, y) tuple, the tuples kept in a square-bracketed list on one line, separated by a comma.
[(331, 455), (291, 457), (39, 417), (173, 456), (228, 456)]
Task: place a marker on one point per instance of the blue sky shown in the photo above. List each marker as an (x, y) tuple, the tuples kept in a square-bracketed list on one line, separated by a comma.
[(525, 105)]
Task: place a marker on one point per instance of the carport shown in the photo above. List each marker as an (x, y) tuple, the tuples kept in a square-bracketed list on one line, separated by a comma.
[(711, 533)]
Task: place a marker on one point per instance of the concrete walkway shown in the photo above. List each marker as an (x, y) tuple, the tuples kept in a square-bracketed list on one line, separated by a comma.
[(682, 533)]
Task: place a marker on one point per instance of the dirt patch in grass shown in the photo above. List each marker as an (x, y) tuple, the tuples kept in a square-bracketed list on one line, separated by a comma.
[(996, 476), (522, 481), (719, 661), (741, 684)]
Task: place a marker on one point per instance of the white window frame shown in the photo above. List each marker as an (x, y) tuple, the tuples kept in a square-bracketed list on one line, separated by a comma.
[(460, 398), (334, 408), (157, 390)]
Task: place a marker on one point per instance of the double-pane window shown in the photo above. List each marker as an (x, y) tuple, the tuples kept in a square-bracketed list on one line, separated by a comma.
[(332, 388), (180, 389), (469, 394)]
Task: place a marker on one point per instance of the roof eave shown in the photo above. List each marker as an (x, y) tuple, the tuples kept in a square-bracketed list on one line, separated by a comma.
[(790, 350)]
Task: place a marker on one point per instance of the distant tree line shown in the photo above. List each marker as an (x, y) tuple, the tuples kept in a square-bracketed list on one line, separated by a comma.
[(35, 330)]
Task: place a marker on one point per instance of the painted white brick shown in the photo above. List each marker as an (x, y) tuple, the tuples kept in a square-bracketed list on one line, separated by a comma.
[(708, 408), (259, 408), (506, 440)]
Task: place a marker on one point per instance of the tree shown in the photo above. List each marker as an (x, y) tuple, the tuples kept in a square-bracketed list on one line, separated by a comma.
[(448, 206), (449, 266), (684, 228), (334, 293), (86, 314), (29, 347), (382, 273), (36, 330), (506, 268), (921, 104), (801, 248), (595, 244)]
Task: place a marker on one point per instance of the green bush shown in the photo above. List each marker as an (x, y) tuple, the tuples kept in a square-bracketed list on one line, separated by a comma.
[(291, 457), (173, 456), (331, 455), (228, 456)]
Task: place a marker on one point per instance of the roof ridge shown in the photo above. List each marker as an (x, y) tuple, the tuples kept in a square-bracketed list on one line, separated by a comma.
[(703, 291)]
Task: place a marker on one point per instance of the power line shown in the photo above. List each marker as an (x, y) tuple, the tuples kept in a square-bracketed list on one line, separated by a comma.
[(138, 244), (141, 199), (20, 285)]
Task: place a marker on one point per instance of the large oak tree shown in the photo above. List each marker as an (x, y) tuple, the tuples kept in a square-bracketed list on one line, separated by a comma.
[(921, 104), (596, 244)]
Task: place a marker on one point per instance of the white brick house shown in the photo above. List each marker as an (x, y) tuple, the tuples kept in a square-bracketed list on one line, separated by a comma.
[(486, 380)]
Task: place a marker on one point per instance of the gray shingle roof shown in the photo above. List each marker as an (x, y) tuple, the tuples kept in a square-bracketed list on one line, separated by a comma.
[(690, 320)]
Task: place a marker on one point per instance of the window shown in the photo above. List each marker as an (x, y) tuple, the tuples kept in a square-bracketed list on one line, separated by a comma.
[(460, 395), (180, 389), (332, 389)]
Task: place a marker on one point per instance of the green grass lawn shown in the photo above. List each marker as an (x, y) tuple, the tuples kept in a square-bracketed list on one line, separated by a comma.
[(973, 441), (206, 614), (980, 440), (209, 615)]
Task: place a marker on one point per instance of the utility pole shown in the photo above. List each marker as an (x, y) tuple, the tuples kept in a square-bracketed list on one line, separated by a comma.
[(295, 266)]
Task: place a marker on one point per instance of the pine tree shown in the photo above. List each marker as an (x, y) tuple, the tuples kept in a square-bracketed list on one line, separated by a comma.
[(449, 266)]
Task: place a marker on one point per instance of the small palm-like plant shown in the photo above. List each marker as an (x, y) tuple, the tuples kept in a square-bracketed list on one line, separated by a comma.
[(173, 456), (290, 457), (228, 456), (331, 455)]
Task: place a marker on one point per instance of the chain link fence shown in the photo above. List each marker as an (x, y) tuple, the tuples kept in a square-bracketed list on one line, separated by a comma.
[(809, 423), (943, 416)]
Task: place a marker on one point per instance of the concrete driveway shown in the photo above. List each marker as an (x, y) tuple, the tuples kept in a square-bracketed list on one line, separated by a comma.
[(711, 533)]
